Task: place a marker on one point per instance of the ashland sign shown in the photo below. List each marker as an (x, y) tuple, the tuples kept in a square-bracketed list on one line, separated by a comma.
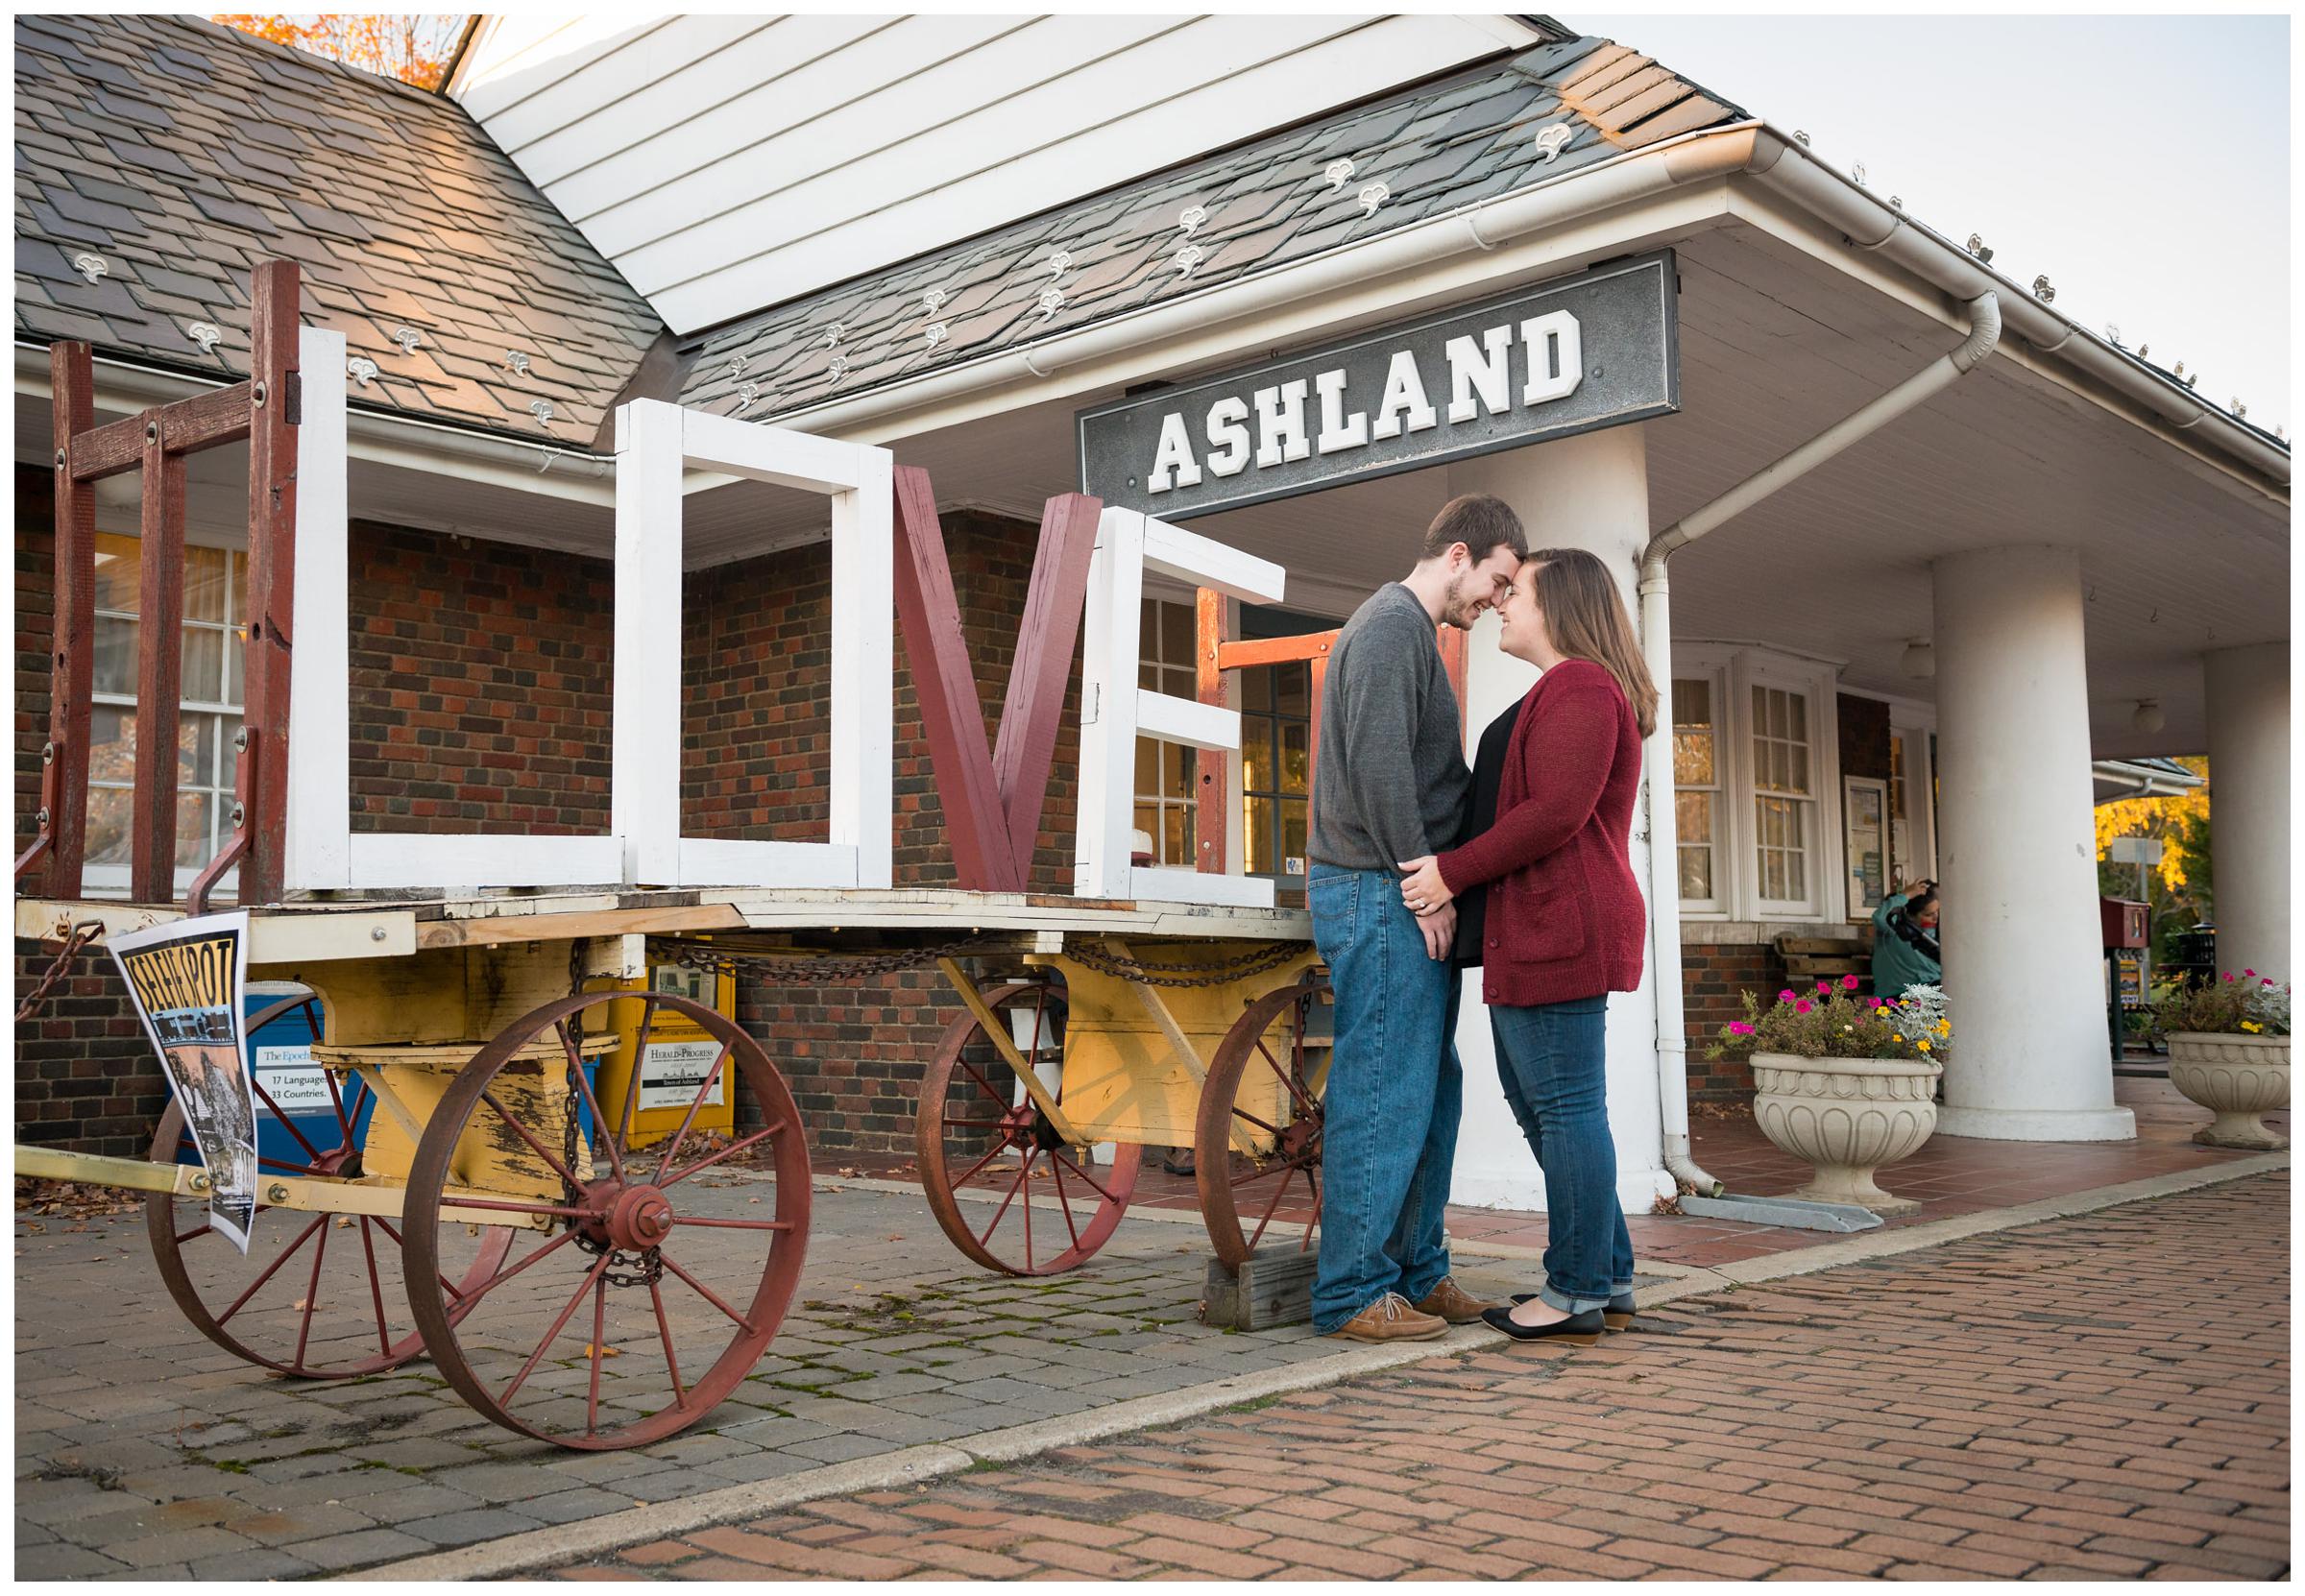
[(1586, 351)]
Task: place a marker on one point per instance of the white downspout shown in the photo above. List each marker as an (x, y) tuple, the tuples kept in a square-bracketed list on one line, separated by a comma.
[(1657, 644)]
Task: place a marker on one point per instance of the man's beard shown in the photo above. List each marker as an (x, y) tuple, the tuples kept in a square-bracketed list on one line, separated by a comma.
[(1457, 604)]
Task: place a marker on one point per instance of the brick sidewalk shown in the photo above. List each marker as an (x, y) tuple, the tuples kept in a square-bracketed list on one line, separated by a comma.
[(2099, 1397)]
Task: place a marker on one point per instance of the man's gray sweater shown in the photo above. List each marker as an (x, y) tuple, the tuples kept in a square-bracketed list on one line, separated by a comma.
[(1391, 784)]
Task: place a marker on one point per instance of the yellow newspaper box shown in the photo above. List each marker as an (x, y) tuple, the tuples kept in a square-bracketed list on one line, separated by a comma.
[(679, 1054)]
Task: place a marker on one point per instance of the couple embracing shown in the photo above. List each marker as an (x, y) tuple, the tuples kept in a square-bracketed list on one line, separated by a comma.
[(1421, 867)]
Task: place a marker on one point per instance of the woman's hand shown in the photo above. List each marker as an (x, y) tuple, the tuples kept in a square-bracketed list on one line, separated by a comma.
[(1424, 891)]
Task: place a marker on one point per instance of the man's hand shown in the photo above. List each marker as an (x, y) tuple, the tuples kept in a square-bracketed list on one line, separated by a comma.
[(1440, 929), (1423, 891)]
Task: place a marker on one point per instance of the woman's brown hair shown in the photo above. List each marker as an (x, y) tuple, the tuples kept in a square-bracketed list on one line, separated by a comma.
[(1587, 618)]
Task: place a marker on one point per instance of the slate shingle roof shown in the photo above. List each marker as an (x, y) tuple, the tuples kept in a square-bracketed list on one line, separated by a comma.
[(181, 153), (1268, 204)]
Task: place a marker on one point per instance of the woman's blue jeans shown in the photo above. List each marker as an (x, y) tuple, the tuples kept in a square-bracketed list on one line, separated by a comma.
[(1396, 1091), (1553, 1061)]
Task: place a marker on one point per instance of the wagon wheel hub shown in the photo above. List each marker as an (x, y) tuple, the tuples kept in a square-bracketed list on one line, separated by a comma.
[(1298, 1138), (634, 1219)]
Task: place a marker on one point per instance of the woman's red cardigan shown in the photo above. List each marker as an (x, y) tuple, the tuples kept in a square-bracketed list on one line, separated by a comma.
[(1564, 918)]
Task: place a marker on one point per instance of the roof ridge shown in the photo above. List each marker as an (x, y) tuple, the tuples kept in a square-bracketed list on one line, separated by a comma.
[(242, 38)]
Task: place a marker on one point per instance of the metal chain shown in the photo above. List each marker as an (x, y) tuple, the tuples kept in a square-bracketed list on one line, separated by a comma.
[(82, 933), (650, 1265), (696, 955), (1152, 973)]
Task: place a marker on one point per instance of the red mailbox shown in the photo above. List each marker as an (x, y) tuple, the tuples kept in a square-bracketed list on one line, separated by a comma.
[(2127, 924)]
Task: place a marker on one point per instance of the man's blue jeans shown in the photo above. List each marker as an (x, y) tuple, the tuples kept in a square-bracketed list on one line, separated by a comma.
[(1396, 1091), (1553, 1062)]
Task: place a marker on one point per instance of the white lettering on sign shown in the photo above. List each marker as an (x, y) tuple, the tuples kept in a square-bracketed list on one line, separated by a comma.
[(295, 1083), (1480, 382), (671, 1071)]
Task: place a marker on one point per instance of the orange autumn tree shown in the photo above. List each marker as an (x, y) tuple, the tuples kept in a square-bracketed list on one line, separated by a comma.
[(2181, 887), (415, 49)]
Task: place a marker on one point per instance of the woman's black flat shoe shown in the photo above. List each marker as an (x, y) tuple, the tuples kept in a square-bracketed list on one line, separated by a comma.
[(1617, 1316), (1577, 1330)]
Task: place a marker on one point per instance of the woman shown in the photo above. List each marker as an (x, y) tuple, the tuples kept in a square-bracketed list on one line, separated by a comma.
[(1904, 941), (1563, 921)]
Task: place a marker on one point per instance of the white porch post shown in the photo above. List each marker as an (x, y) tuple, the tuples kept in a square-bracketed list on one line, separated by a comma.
[(1586, 492), (2249, 801), (2024, 965)]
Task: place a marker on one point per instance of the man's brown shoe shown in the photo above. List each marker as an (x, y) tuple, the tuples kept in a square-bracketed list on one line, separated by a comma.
[(1390, 1319), (1453, 1303)]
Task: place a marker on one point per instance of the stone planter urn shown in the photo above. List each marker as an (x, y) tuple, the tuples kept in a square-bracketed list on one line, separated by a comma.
[(1847, 1117), (2236, 1078)]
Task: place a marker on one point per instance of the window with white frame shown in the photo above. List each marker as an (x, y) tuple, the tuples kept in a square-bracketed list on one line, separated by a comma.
[(208, 708), (1785, 796), (1697, 788), (1756, 799), (1167, 773)]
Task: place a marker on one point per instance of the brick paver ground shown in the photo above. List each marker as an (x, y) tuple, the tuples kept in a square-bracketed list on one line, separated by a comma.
[(2101, 1396)]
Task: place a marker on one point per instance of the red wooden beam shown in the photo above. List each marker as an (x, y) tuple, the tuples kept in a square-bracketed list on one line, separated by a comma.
[(159, 674), (1043, 666), (1454, 644), (950, 712), (220, 416), (270, 422), (1212, 815), (72, 649), (1266, 651)]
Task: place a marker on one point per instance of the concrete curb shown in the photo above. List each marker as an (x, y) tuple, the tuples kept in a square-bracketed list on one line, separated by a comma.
[(536, 1549)]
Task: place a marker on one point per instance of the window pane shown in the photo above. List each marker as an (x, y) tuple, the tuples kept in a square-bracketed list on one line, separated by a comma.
[(1692, 702), (203, 664), (1796, 876), (1256, 755), (193, 845), (1292, 835), (1295, 757), (1693, 758), (116, 659), (1696, 873), (196, 751), (204, 584), (1692, 816), (1796, 705), (108, 811), (1257, 836), (228, 727), (112, 744), (1256, 688), (1796, 767), (1148, 821), (116, 572), (1177, 627), (1176, 830), (1148, 768), (235, 657), (1294, 685), (1183, 770), (1148, 629)]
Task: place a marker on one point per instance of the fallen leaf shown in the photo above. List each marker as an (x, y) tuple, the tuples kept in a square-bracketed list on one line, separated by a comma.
[(605, 1352)]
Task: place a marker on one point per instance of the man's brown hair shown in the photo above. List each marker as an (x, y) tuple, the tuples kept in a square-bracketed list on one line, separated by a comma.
[(1482, 523)]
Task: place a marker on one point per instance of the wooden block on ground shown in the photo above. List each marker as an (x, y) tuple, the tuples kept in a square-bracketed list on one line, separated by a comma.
[(1273, 1288)]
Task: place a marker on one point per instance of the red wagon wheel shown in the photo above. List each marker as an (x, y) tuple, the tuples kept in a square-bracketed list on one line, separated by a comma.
[(318, 1295), (1038, 1205), (1265, 1086), (647, 1297)]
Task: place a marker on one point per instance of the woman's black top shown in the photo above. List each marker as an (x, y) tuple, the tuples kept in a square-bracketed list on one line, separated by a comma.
[(1488, 775)]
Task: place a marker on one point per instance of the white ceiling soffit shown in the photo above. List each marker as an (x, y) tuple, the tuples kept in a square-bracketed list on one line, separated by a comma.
[(726, 164)]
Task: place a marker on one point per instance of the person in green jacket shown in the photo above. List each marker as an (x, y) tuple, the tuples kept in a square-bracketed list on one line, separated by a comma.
[(1904, 941)]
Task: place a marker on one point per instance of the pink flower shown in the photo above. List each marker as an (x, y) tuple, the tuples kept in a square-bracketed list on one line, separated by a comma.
[(2228, 975), (1848, 983), (1785, 996), (2248, 972), (1738, 1027), (2265, 980), (1802, 1007)]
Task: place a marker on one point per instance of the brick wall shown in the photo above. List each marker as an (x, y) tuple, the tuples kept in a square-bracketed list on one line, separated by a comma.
[(1712, 975), (480, 702)]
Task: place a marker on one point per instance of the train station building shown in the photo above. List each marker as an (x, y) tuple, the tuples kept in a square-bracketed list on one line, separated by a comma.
[(1929, 566)]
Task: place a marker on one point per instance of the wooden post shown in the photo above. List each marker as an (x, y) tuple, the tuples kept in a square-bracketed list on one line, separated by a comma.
[(72, 650), (951, 713), (160, 672), (273, 334), (1213, 812), (1312, 736), (1452, 644)]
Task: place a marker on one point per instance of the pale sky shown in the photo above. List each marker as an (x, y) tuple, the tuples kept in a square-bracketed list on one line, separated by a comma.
[(2143, 162)]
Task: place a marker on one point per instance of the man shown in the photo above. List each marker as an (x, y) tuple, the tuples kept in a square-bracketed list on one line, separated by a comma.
[(1392, 786)]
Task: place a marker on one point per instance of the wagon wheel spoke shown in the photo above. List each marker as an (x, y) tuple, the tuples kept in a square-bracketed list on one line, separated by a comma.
[(703, 1091), (1305, 1105), (467, 1302), (343, 1121), (727, 1151), (640, 1061), (591, 1104), (1270, 1208), (1023, 1170), (702, 1290), (1240, 1113), (1064, 1203), (270, 1269), (566, 1314), (664, 1329), (1003, 1146), (732, 1224), (598, 1347), (376, 1286), (319, 1252), (1312, 1221), (285, 1123), (552, 1160), (1088, 1179)]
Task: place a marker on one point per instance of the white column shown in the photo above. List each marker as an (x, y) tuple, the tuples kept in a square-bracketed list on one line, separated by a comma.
[(2023, 960), (1588, 492), (2248, 804)]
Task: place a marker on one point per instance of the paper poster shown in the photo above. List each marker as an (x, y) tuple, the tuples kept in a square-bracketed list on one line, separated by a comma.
[(187, 980)]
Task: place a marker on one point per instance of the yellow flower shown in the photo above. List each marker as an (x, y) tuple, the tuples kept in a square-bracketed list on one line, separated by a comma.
[(1925, 1044), (1944, 1028), (2252, 1025)]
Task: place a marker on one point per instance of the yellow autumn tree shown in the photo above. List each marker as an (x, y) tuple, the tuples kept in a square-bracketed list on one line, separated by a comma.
[(414, 48), (2172, 821)]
